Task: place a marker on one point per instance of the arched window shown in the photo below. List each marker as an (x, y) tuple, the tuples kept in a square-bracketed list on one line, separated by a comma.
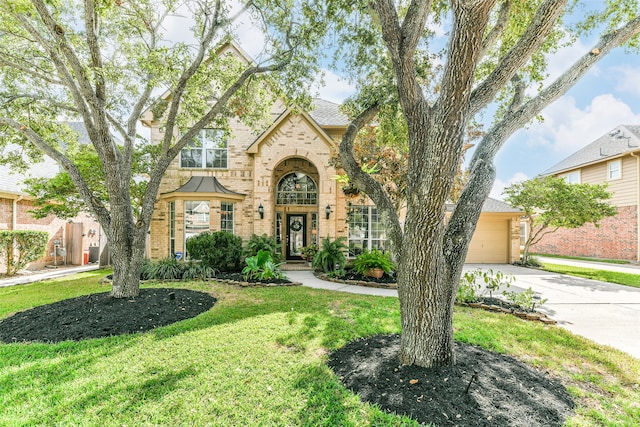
[(297, 188)]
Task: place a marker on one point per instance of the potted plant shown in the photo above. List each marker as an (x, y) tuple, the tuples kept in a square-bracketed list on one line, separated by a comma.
[(373, 263), (331, 256), (309, 252)]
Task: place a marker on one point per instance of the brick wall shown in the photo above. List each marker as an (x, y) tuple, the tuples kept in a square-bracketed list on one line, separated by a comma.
[(56, 227), (616, 238)]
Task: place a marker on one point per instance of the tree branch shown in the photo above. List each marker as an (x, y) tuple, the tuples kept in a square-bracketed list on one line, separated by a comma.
[(85, 192), (365, 182), (497, 30), (535, 35)]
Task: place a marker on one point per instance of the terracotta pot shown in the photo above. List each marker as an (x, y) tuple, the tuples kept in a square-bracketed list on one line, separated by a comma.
[(374, 272)]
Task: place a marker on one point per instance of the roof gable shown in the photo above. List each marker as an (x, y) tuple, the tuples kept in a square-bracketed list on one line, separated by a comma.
[(619, 141)]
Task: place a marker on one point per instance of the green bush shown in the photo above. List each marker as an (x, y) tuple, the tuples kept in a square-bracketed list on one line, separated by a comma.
[(262, 267), (309, 252), (220, 250), (331, 255), (263, 243), (172, 269), (168, 269), (20, 247), (373, 259)]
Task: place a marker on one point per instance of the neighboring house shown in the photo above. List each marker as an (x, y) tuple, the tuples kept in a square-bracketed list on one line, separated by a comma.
[(611, 159), (279, 182), (74, 241)]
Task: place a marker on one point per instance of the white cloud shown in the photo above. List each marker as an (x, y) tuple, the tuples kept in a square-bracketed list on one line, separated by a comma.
[(499, 185), (332, 87), (628, 78), (567, 128)]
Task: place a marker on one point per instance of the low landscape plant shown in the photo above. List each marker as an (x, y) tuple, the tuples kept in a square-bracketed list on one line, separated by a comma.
[(309, 252), (475, 283), (265, 243), (374, 259), (331, 256), (262, 267), (525, 300)]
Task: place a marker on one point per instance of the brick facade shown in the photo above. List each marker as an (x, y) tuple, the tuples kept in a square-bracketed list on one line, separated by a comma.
[(615, 238), (86, 231)]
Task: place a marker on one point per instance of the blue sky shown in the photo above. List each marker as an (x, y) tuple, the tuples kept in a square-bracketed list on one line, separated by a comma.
[(608, 96)]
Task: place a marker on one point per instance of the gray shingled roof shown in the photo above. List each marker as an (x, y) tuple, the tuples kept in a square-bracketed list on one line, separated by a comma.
[(622, 139), (491, 205), (204, 184), (327, 113)]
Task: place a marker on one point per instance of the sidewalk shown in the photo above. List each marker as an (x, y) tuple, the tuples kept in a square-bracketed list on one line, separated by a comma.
[(45, 274), (596, 265)]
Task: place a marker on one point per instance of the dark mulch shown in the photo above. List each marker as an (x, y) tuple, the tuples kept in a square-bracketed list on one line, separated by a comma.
[(385, 279), (99, 315), (506, 392)]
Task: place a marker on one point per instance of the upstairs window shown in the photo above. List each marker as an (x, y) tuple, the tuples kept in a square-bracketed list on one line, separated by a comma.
[(207, 151), (614, 169), (572, 177)]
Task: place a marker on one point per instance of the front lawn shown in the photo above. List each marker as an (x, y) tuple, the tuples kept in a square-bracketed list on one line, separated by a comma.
[(626, 279), (258, 357)]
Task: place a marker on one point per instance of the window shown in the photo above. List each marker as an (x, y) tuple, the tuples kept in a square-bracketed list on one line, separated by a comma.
[(172, 228), (572, 177), (366, 230), (226, 217), (196, 218), (614, 169), (208, 150), (297, 189)]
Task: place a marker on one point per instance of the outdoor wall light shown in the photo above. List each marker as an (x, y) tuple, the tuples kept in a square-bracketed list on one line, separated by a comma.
[(327, 211), (261, 211)]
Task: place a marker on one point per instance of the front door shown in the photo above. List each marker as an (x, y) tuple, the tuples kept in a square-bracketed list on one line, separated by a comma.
[(296, 235)]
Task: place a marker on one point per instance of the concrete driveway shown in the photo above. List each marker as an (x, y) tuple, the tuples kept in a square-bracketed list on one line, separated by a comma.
[(602, 312)]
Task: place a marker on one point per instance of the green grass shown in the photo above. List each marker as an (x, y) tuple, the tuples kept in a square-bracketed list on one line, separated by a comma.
[(627, 279), (579, 258), (258, 358)]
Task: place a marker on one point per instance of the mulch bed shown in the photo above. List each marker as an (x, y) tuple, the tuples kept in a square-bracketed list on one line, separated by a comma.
[(99, 315), (505, 393)]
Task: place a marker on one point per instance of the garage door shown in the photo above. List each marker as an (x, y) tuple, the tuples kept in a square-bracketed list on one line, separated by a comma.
[(490, 242)]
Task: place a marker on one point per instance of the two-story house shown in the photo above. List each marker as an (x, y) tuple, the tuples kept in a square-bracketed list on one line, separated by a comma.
[(279, 182), (612, 159)]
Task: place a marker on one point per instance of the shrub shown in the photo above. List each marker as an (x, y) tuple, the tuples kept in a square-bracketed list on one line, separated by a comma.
[(331, 256), (262, 267), (373, 259), (20, 247), (221, 251), (263, 243), (195, 270)]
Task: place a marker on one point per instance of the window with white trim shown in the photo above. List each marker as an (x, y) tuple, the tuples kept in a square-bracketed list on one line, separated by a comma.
[(172, 229), (367, 230), (614, 169), (208, 150), (572, 177), (226, 217), (196, 218)]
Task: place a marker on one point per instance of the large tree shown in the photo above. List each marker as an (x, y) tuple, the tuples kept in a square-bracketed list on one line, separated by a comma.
[(549, 203), (104, 61), (495, 51)]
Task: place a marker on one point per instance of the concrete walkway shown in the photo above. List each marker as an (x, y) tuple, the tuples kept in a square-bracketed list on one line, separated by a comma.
[(45, 274), (602, 312)]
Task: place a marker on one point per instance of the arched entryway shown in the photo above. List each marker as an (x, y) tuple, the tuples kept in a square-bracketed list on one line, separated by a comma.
[(296, 206)]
